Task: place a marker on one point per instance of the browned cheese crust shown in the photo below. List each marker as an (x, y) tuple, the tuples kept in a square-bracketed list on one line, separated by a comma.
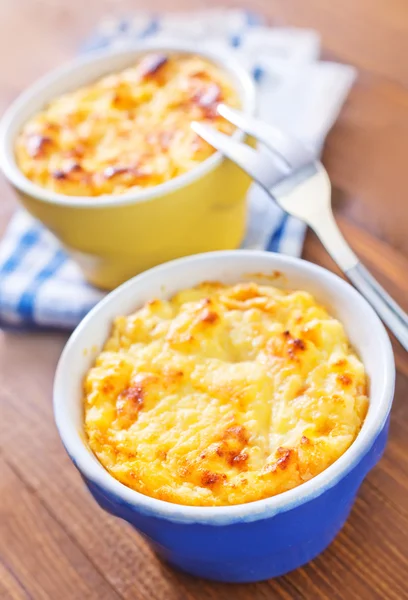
[(224, 395)]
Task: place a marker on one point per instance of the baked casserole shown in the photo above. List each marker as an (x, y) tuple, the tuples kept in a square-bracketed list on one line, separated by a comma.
[(127, 131), (224, 395)]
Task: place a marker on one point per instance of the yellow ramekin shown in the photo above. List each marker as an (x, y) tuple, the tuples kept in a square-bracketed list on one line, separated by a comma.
[(113, 238)]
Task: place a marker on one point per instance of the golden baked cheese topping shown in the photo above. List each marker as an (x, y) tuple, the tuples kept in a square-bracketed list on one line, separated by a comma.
[(224, 395), (127, 131)]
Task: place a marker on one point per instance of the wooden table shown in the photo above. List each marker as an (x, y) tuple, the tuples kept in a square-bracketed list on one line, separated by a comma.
[(55, 543)]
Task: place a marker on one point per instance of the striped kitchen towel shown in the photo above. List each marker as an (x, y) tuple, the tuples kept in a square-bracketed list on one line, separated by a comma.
[(41, 286)]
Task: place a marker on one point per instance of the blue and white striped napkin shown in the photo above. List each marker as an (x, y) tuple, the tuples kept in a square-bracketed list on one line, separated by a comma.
[(41, 286)]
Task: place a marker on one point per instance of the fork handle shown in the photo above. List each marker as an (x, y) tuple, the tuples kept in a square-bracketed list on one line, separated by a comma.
[(387, 309)]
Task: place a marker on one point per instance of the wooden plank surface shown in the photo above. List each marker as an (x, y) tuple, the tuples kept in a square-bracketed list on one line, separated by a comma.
[(55, 543)]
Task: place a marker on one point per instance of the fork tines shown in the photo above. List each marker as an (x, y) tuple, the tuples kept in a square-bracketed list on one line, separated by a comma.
[(290, 150), (286, 154)]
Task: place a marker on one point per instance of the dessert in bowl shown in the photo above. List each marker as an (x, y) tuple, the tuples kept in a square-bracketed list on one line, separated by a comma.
[(128, 130), (224, 394), (102, 152), (239, 452)]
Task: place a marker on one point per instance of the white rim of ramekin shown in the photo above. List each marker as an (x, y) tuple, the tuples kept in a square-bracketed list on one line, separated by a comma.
[(260, 509), (226, 61)]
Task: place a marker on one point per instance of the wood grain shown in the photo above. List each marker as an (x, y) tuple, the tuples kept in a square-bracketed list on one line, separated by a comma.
[(10, 587), (55, 543)]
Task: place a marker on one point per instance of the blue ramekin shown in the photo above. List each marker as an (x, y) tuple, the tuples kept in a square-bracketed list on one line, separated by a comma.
[(257, 540)]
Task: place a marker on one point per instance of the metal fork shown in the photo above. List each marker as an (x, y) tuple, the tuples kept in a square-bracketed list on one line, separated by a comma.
[(299, 184)]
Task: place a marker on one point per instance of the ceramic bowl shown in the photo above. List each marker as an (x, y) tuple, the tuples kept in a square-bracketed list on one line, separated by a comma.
[(257, 540), (114, 237)]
